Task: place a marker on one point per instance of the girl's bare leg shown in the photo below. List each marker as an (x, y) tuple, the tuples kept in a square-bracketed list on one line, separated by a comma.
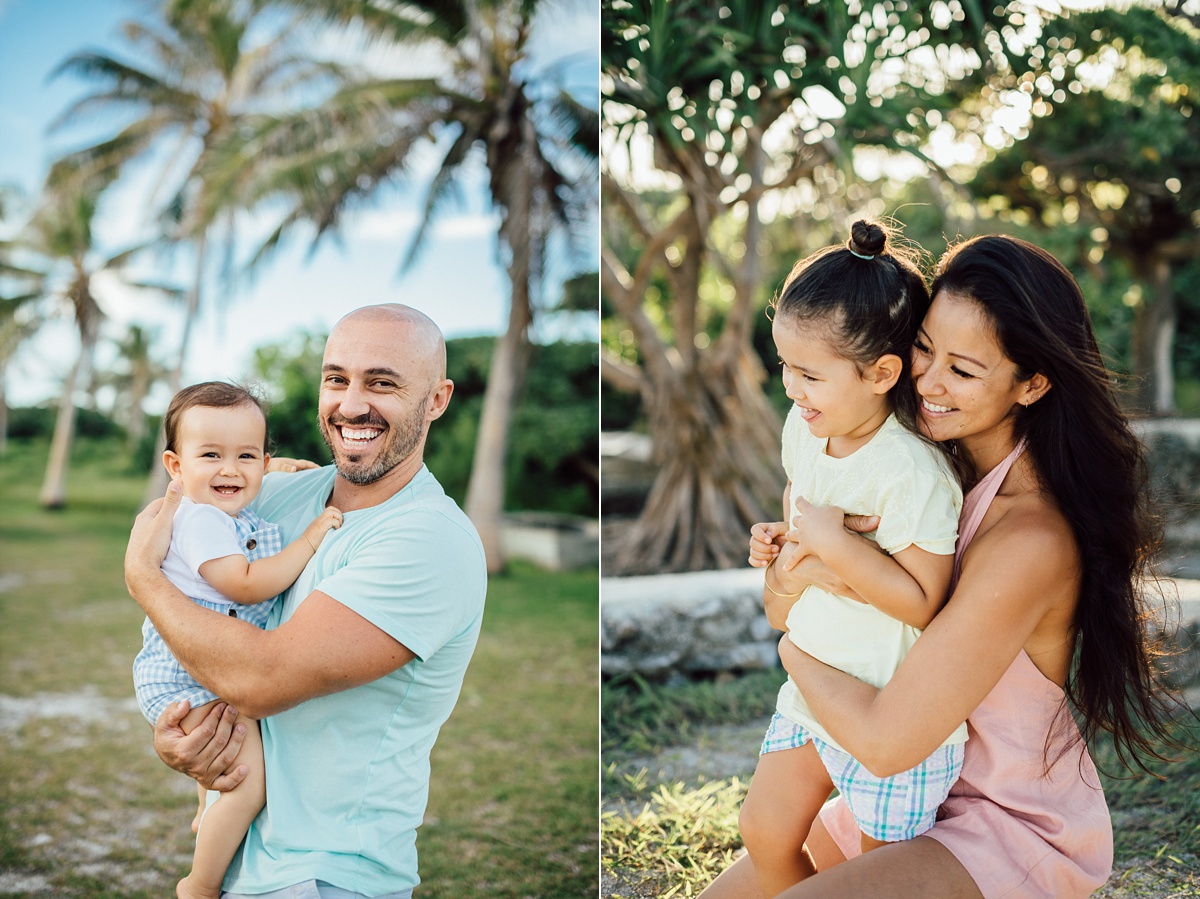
[(739, 880), (787, 792), (868, 842), (203, 795), (226, 822)]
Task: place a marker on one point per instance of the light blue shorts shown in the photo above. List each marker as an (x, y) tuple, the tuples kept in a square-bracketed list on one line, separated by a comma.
[(888, 809), (315, 889)]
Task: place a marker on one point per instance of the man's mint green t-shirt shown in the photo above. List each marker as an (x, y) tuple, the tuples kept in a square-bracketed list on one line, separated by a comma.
[(348, 773)]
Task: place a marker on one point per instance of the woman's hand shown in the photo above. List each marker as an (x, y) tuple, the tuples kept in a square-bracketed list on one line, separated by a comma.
[(283, 463), (207, 751)]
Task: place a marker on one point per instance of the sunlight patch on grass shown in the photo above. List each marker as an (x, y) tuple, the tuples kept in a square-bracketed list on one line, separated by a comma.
[(682, 837)]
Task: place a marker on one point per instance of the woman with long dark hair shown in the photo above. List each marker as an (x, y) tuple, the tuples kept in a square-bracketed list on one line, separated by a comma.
[(1048, 613)]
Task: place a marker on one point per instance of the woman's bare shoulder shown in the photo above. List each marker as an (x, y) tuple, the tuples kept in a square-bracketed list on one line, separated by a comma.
[(1028, 543), (1029, 523)]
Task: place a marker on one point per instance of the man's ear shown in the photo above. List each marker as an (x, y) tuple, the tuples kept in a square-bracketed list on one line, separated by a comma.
[(439, 400), (1035, 388), (884, 372), (170, 462)]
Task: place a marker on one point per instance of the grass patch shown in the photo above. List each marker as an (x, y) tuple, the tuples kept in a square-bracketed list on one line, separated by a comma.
[(679, 840), (639, 716), (87, 810), (672, 839)]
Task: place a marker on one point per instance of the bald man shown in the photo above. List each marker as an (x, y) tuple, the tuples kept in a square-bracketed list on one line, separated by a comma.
[(363, 659)]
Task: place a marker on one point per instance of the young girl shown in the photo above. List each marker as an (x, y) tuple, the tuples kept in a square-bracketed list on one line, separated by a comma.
[(844, 326), (229, 560)]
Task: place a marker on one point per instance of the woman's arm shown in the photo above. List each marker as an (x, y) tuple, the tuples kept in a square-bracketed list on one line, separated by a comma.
[(995, 609), (250, 582)]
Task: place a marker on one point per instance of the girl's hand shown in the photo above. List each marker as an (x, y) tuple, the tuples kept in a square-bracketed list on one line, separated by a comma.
[(814, 526), (766, 538)]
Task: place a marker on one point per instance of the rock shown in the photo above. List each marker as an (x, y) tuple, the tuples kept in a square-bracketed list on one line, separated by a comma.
[(698, 622)]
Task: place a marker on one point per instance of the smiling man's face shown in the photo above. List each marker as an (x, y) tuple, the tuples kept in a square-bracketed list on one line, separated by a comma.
[(375, 387)]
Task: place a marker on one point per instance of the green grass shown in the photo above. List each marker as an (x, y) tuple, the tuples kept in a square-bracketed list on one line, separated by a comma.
[(638, 716), (87, 810), (671, 839)]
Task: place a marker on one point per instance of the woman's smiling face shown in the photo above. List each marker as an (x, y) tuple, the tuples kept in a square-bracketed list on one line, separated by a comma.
[(968, 388)]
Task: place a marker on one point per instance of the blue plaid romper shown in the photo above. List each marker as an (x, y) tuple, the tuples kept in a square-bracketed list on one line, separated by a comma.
[(158, 677)]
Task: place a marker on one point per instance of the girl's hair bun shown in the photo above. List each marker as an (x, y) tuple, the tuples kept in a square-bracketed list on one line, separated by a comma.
[(867, 239)]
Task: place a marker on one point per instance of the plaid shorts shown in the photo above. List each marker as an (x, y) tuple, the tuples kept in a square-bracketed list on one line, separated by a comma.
[(888, 809), (158, 678)]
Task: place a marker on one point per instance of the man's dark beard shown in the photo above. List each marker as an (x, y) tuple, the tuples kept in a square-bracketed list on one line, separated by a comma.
[(402, 441)]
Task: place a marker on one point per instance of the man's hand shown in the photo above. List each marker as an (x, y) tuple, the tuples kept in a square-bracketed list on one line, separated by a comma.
[(150, 537), (283, 463), (205, 753)]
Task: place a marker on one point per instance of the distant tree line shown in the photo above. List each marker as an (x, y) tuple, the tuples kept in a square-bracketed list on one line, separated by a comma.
[(554, 446)]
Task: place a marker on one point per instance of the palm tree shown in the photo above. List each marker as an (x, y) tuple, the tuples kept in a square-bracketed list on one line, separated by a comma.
[(537, 141), (20, 289), (203, 76), (135, 375), (61, 233)]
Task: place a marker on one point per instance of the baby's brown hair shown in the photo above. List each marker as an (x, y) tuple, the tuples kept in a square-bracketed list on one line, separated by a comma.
[(216, 394)]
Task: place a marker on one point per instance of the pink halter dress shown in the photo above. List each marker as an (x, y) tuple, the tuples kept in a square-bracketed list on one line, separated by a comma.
[(1018, 831)]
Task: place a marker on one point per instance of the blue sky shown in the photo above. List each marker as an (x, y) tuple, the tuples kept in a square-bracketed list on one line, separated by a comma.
[(457, 280)]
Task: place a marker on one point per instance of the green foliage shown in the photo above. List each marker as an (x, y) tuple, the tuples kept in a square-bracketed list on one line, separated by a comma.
[(37, 422), (553, 443), (292, 372)]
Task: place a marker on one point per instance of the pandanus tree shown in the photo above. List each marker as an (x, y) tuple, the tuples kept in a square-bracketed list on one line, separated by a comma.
[(715, 119), (1112, 150), (483, 100)]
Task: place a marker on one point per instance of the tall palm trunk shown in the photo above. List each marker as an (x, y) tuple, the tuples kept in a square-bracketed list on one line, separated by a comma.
[(485, 489), (54, 486)]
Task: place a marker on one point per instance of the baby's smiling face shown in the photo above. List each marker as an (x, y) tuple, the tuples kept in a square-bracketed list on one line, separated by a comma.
[(221, 456)]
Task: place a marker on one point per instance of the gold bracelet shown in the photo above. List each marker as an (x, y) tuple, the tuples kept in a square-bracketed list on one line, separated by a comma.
[(767, 584)]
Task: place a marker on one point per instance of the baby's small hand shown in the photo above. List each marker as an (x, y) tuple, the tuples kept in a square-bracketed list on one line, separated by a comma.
[(765, 540), (328, 520)]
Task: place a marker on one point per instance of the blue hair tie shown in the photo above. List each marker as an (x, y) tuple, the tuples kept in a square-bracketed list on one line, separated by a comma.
[(860, 255)]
